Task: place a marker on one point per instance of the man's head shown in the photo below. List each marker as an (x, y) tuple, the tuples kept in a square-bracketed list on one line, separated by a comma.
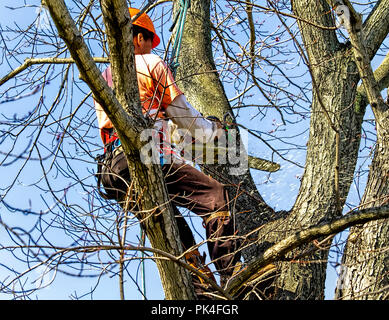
[(144, 35)]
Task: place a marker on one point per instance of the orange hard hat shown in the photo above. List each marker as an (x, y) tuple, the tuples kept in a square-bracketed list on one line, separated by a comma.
[(145, 22)]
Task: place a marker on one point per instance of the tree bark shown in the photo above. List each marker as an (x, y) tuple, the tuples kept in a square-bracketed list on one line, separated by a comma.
[(365, 267), (334, 139), (332, 148)]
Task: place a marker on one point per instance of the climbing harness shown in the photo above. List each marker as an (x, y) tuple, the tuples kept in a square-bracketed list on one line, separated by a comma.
[(229, 120), (179, 18)]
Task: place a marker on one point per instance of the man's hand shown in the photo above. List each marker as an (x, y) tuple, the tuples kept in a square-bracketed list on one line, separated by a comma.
[(216, 120), (220, 127)]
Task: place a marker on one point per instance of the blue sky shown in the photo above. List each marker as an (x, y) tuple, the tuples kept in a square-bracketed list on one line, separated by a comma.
[(278, 189)]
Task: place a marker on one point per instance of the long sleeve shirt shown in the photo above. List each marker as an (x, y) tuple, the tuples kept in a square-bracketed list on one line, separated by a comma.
[(161, 100)]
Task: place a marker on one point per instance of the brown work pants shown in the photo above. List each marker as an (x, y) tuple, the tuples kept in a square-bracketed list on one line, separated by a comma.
[(191, 189), (203, 195)]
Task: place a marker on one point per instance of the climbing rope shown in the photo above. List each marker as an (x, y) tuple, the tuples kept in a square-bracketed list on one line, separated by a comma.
[(179, 18)]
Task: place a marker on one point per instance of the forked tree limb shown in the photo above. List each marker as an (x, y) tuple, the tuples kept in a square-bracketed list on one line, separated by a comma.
[(280, 249)]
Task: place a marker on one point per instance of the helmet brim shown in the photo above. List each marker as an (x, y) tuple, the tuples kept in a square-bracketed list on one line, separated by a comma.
[(156, 40)]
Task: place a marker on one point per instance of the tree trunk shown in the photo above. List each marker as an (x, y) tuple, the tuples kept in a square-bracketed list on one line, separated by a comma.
[(331, 154), (364, 273), (365, 265), (319, 199), (297, 241)]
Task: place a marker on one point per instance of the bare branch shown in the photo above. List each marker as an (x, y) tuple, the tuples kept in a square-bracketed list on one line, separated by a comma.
[(31, 61)]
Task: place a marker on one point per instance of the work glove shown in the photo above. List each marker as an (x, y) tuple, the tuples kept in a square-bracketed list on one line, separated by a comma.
[(216, 120)]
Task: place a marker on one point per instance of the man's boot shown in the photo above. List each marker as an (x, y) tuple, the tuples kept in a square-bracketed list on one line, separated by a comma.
[(197, 261)]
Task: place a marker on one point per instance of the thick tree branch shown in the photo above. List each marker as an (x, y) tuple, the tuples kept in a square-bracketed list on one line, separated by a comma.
[(280, 249), (362, 60), (376, 27), (381, 75), (89, 72), (325, 40), (126, 116), (161, 227), (118, 26)]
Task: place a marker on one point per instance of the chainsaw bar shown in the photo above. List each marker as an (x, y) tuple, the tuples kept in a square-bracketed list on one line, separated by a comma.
[(253, 162)]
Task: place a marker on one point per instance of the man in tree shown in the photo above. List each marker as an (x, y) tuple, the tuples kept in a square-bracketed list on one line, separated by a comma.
[(162, 100)]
